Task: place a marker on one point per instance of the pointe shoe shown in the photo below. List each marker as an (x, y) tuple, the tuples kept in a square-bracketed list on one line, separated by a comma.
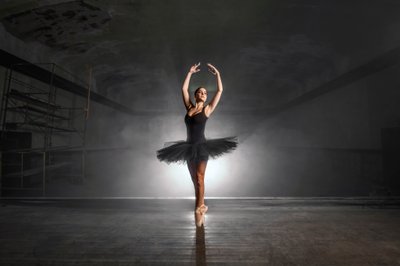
[(198, 210), (199, 219), (203, 209), (200, 222)]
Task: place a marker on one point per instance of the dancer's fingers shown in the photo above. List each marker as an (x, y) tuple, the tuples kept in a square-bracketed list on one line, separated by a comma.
[(212, 72)]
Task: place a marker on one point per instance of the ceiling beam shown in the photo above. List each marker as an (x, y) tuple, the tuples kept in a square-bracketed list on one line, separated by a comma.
[(17, 64), (379, 63)]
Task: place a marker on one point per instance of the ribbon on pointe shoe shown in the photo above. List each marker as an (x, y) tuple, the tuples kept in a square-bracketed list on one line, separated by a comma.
[(203, 209)]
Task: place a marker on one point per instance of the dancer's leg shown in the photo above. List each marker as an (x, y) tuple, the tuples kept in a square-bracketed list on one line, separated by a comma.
[(192, 169), (200, 173)]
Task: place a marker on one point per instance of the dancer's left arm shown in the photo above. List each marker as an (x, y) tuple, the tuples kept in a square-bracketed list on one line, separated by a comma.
[(215, 100)]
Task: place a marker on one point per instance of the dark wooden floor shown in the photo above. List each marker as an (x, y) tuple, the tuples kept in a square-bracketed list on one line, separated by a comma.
[(162, 232)]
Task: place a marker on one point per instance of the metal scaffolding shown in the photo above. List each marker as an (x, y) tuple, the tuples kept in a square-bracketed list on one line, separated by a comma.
[(37, 118)]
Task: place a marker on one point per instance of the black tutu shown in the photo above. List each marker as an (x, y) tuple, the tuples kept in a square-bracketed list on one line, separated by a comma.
[(183, 151)]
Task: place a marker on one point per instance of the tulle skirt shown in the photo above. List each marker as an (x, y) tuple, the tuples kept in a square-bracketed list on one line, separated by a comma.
[(183, 151)]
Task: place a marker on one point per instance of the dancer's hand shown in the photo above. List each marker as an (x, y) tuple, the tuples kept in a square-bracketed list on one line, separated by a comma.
[(213, 70), (195, 68)]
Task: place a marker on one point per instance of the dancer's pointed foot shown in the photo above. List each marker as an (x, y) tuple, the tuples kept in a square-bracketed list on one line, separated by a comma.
[(199, 217), (203, 208), (197, 210)]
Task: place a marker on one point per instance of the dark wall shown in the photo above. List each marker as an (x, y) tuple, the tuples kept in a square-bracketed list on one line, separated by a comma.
[(269, 53)]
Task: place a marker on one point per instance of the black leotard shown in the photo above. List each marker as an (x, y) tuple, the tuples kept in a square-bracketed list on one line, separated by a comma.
[(195, 126)]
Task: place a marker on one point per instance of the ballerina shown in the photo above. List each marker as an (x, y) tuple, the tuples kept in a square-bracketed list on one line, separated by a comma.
[(196, 150)]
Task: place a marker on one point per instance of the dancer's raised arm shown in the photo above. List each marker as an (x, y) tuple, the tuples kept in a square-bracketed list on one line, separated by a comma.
[(185, 88), (215, 100)]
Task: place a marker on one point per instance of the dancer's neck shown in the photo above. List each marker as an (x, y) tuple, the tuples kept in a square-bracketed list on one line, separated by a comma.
[(199, 105)]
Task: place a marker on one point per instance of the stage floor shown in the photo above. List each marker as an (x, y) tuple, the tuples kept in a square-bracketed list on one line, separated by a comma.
[(163, 232)]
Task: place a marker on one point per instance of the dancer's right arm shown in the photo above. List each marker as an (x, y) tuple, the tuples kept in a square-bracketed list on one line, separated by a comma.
[(185, 87)]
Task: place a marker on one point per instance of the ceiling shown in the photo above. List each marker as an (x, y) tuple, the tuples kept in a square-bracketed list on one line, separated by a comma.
[(268, 52)]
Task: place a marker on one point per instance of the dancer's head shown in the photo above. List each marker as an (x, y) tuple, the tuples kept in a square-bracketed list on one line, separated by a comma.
[(200, 94)]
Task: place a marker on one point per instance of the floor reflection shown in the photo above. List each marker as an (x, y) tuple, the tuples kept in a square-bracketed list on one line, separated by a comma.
[(200, 244)]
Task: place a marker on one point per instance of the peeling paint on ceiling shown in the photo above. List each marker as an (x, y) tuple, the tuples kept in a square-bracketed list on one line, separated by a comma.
[(59, 26)]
